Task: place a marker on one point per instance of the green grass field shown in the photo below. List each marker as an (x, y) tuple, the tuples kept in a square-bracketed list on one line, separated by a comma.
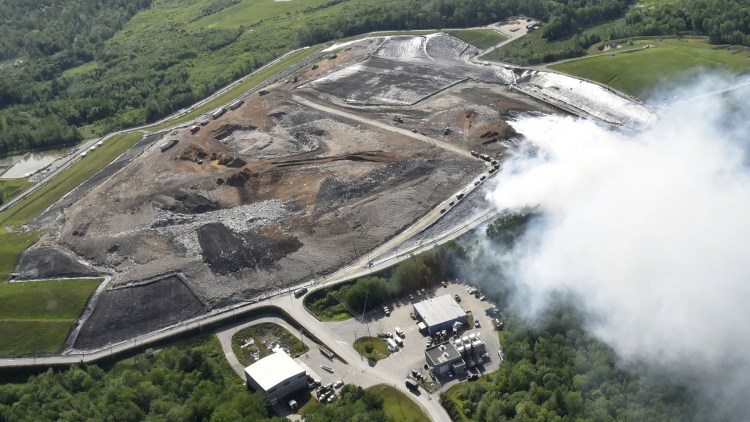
[(481, 38), (45, 300), (39, 200), (36, 317), (671, 61), (263, 335), (379, 347), (12, 246), (398, 406), (32, 337), (12, 187)]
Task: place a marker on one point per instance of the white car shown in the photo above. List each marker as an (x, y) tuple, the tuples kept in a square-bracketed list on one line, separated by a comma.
[(399, 332), (338, 384)]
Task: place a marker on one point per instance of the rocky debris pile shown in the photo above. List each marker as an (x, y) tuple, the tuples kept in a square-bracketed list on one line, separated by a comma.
[(497, 132), (183, 228), (188, 203), (193, 153), (240, 179), (334, 190), (225, 130), (226, 251)]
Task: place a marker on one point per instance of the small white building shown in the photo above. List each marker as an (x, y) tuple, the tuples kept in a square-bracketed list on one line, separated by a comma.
[(276, 376)]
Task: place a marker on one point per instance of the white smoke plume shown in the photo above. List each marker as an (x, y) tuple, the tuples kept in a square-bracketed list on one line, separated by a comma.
[(650, 229)]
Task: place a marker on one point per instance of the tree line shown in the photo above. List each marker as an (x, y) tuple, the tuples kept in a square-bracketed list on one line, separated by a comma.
[(189, 382), (422, 271)]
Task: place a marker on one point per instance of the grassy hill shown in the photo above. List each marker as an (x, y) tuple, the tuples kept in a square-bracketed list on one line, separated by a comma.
[(670, 62)]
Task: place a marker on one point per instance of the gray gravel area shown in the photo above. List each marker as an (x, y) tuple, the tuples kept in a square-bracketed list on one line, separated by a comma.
[(124, 313), (51, 262)]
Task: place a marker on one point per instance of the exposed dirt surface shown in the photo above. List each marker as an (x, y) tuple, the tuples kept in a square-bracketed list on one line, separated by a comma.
[(51, 262), (226, 251), (283, 189), (123, 313)]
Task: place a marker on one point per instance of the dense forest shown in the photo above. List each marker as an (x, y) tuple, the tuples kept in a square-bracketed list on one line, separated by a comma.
[(553, 370), (191, 382), (352, 400)]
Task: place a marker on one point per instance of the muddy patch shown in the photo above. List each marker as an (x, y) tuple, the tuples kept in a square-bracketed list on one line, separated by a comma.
[(226, 251), (187, 203)]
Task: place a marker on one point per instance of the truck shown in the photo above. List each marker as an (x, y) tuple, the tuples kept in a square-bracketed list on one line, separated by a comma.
[(392, 344), (327, 353), (235, 105), (169, 144), (399, 341), (218, 112)]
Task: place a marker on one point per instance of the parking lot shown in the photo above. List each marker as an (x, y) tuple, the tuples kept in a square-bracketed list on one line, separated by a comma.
[(399, 364)]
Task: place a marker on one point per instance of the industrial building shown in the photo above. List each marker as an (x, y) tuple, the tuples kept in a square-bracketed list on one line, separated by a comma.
[(444, 358), (276, 376), (440, 313)]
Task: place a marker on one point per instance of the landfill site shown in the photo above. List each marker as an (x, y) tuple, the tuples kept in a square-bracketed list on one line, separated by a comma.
[(297, 180)]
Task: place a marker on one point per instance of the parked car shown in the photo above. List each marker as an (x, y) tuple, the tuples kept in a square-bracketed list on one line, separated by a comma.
[(445, 284), (338, 384), (457, 297), (413, 315), (476, 323), (411, 385), (399, 331)]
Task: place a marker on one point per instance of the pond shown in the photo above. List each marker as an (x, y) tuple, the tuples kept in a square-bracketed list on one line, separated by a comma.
[(23, 165)]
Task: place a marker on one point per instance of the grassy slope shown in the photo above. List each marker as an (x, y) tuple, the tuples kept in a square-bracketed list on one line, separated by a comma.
[(45, 300), (30, 207), (36, 317), (12, 187), (32, 337), (397, 405), (11, 247), (481, 38), (639, 72)]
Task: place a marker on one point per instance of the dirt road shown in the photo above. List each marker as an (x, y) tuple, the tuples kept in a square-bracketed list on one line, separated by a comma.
[(380, 125)]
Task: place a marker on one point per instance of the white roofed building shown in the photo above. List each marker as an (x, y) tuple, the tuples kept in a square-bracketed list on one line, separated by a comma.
[(276, 376), (440, 313)]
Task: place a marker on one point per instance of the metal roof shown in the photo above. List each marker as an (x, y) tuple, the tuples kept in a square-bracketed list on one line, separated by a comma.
[(438, 310), (273, 369), (441, 354)]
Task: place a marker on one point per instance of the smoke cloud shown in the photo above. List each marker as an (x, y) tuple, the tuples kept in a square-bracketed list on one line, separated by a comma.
[(650, 229)]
